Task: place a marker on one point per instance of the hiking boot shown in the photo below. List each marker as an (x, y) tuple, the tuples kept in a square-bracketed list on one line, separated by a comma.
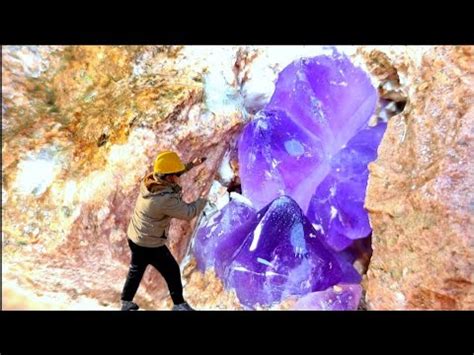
[(129, 306), (182, 307)]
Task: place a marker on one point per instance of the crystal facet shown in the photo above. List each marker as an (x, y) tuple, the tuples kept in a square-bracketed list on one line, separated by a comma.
[(337, 207), (281, 257), (278, 157), (222, 235), (318, 105), (342, 297)]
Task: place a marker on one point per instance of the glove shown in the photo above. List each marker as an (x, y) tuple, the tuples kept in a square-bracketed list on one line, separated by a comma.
[(201, 203), (210, 209)]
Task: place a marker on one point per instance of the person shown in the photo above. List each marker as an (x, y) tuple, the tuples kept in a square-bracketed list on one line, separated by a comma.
[(159, 200)]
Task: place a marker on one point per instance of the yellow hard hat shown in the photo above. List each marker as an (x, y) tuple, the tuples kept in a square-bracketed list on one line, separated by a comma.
[(168, 163)]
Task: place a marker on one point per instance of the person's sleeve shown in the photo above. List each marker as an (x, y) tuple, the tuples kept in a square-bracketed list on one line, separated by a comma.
[(188, 166), (177, 208)]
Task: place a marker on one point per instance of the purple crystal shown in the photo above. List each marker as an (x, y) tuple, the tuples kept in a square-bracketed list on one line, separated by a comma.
[(277, 157), (281, 257), (307, 150), (337, 206), (318, 105), (328, 96), (222, 235), (349, 274), (342, 297)]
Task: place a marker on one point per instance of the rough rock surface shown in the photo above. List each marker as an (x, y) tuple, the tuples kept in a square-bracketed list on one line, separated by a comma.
[(78, 139), (420, 192)]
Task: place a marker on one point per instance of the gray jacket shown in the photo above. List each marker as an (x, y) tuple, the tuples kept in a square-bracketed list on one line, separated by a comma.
[(158, 202)]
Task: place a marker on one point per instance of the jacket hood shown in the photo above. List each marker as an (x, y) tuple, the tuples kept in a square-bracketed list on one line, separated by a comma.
[(152, 186)]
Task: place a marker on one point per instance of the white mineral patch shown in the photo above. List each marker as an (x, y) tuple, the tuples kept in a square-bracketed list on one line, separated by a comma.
[(294, 148), (218, 195), (256, 236), (318, 228), (37, 172), (225, 170), (239, 198)]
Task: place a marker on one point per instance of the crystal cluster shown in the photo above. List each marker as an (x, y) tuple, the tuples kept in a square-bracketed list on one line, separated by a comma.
[(303, 165), (319, 104), (337, 207)]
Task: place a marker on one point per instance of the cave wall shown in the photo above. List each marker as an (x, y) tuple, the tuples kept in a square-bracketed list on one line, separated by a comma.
[(420, 195)]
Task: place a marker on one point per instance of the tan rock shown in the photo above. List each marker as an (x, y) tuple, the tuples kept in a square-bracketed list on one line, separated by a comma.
[(420, 194)]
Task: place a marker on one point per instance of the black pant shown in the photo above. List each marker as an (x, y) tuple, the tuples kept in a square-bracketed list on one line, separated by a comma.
[(162, 259)]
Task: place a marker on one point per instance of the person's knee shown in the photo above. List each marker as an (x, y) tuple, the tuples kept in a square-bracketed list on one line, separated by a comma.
[(136, 268), (171, 272)]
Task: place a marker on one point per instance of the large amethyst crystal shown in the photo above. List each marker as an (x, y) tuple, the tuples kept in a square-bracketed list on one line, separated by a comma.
[(216, 241), (337, 207), (281, 257), (319, 104), (303, 164)]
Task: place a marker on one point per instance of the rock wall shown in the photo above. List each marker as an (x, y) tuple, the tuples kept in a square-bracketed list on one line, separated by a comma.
[(420, 192), (109, 112)]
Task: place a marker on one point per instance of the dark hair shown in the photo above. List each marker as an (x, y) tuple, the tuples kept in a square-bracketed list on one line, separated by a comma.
[(164, 176)]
